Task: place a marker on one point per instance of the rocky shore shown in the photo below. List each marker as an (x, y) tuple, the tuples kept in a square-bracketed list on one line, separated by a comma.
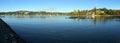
[(7, 35)]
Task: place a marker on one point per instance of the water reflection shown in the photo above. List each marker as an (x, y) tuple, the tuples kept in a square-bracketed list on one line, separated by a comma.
[(65, 28), (96, 19), (28, 16)]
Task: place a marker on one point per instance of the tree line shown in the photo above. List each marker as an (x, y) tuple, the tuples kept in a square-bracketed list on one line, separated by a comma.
[(99, 11), (95, 11)]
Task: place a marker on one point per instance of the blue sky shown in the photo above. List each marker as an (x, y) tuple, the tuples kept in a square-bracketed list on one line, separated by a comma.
[(56, 5)]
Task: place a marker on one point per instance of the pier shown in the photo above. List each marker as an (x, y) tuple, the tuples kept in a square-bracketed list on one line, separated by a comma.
[(7, 35)]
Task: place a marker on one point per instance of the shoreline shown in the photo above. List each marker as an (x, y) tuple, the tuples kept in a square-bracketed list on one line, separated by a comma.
[(8, 35)]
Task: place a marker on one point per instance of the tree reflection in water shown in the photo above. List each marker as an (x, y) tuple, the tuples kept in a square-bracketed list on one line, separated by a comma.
[(96, 19)]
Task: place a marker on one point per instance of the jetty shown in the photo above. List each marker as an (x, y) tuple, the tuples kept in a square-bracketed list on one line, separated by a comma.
[(7, 35)]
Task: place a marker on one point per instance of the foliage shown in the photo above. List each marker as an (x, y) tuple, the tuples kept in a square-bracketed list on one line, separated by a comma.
[(99, 11)]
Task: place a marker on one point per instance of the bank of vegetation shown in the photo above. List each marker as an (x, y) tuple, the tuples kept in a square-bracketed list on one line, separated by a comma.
[(94, 11)]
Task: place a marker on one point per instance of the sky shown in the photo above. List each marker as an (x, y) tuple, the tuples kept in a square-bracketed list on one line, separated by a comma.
[(56, 5)]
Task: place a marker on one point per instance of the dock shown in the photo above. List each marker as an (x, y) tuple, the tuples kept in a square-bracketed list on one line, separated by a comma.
[(7, 35)]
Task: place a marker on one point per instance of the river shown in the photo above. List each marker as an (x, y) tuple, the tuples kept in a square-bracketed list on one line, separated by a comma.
[(65, 29)]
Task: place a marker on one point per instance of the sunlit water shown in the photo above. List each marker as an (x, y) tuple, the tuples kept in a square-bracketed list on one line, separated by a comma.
[(65, 29)]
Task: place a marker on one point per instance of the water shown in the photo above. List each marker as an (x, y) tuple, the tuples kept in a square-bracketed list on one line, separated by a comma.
[(65, 29)]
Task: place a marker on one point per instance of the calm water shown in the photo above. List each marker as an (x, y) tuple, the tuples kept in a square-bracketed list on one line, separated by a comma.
[(65, 29)]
